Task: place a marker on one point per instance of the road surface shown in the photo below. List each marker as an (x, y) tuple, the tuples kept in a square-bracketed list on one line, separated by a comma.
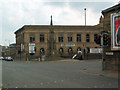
[(55, 74)]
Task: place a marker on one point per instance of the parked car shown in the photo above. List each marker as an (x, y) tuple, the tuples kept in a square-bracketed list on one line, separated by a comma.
[(8, 59), (1, 58)]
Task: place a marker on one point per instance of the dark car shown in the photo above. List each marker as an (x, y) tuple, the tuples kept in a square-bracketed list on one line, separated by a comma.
[(8, 59)]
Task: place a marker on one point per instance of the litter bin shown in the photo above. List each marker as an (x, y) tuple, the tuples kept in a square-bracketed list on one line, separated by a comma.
[(43, 58)]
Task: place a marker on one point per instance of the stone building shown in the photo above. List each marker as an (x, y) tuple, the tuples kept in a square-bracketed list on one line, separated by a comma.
[(56, 40), (8, 51), (111, 58)]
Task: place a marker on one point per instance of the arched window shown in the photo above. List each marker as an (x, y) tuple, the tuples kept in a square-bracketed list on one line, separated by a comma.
[(61, 51), (78, 49), (70, 50), (42, 51)]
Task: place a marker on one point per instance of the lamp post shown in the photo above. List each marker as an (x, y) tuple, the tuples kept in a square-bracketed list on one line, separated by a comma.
[(85, 29), (85, 16)]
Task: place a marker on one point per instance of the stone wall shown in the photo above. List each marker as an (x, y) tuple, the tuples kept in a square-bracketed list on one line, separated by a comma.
[(111, 61)]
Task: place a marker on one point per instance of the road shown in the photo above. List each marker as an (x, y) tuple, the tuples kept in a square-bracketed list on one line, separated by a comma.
[(55, 74)]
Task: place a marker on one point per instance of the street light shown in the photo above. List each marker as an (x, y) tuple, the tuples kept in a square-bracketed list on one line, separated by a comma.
[(85, 16), (84, 46)]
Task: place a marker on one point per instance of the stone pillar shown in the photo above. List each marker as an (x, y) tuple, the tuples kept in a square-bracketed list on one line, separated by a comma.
[(92, 38), (74, 37), (45, 37), (65, 37), (27, 41), (37, 38), (56, 36), (83, 37)]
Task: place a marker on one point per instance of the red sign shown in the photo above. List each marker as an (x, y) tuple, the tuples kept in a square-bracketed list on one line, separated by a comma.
[(117, 31)]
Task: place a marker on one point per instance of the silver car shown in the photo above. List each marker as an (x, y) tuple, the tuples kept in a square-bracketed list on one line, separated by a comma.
[(1, 58)]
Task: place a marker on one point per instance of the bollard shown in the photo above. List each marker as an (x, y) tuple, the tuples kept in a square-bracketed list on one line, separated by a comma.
[(39, 59), (27, 59), (43, 58)]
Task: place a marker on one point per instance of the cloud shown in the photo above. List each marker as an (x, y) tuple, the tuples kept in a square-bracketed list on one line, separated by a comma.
[(16, 13), (72, 15)]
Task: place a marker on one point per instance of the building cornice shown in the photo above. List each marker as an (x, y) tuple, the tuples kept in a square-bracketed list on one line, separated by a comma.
[(113, 8)]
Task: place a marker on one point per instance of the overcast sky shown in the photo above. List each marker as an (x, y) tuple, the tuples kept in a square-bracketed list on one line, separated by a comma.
[(16, 13)]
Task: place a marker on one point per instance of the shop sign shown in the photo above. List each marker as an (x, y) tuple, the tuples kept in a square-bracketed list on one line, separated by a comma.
[(109, 53), (69, 45), (31, 47)]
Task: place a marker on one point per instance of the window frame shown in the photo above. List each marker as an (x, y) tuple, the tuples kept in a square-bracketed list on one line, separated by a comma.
[(95, 35), (43, 51), (78, 48), (42, 38), (32, 38), (87, 37), (60, 38), (71, 50), (78, 36), (69, 36), (60, 51)]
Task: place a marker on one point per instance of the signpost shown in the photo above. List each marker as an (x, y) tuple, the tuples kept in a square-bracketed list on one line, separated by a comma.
[(109, 53), (95, 50), (31, 47)]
